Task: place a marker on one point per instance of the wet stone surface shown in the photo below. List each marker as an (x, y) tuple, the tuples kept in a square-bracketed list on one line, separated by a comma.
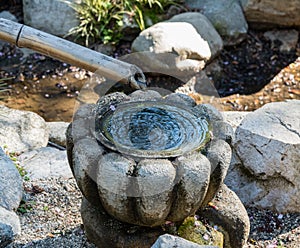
[(146, 128)]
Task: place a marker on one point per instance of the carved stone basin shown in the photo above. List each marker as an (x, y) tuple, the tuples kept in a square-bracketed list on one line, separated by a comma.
[(144, 159), (148, 159)]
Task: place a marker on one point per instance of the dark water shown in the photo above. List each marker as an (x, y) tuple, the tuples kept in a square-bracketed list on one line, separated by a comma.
[(146, 126), (153, 129)]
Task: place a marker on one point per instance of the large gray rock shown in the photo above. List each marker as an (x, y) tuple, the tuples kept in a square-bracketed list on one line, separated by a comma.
[(54, 17), (169, 241), (226, 16), (272, 13), (21, 131), (177, 47), (9, 226), (268, 146), (11, 185), (46, 162), (57, 132)]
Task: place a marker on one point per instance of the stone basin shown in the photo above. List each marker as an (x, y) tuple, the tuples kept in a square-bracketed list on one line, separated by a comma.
[(146, 158), (143, 159)]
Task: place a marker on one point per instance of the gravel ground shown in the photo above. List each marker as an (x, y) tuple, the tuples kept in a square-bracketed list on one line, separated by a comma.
[(52, 219), (51, 215)]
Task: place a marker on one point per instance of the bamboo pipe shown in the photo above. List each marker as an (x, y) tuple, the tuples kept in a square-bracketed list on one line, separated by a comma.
[(26, 37)]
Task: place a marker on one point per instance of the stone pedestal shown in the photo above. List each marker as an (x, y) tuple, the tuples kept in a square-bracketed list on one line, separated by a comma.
[(105, 231)]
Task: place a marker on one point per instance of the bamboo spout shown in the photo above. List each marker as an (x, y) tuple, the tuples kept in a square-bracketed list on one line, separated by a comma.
[(61, 49)]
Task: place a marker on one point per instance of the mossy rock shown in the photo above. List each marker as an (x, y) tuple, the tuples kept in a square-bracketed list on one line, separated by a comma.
[(195, 231)]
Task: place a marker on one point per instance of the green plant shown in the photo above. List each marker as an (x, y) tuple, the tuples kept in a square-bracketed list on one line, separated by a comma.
[(25, 206), (103, 19), (45, 208)]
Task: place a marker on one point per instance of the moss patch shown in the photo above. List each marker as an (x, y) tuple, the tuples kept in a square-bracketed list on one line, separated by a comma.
[(195, 231)]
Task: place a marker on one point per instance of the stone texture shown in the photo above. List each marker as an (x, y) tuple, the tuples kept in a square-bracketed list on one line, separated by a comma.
[(139, 94), (46, 162), (6, 235), (86, 155), (272, 13), (223, 130), (11, 184), (9, 226), (180, 98), (153, 182), (57, 132), (193, 173), (226, 16), (268, 144), (230, 215), (21, 131), (288, 39), (105, 231), (208, 110), (168, 241), (54, 17), (219, 155), (204, 28), (234, 118), (160, 48)]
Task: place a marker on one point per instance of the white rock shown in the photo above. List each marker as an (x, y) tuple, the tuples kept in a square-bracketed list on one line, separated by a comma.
[(204, 28), (176, 47), (268, 144), (54, 17), (46, 162), (169, 241), (21, 131)]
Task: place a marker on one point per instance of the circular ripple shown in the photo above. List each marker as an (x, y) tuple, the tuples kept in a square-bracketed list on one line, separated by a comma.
[(151, 129)]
